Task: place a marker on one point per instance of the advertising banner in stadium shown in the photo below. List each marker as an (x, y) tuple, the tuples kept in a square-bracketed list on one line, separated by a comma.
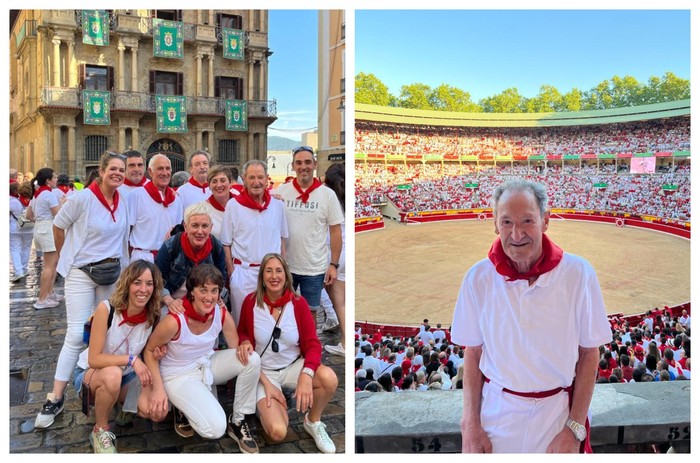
[(645, 165)]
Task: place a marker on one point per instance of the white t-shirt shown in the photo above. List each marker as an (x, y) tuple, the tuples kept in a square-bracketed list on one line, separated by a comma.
[(217, 219), (288, 341), (190, 194), (308, 222), (150, 220), (530, 335), (42, 204)]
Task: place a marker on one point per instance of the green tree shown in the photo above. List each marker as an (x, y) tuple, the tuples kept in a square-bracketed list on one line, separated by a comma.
[(508, 101), (673, 88), (448, 98), (573, 100), (549, 99), (415, 96), (625, 91), (599, 97), (370, 90)]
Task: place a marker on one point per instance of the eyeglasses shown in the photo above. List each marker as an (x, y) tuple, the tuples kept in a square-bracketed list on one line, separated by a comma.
[(276, 332), (302, 148), (116, 155)]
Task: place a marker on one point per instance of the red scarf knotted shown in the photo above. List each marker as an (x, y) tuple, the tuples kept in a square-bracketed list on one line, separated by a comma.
[(15, 195), (550, 258), (133, 319), (279, 303), (198, 256), (154, 193), (216, 204), (40, 190), (244, 199), (191, 313), (304, 195), (128, 182), (64, 188), (94, 187), (203, 186), (24, 201)]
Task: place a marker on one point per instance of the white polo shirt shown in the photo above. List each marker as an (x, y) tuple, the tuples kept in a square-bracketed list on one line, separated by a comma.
[(190, 194), (151, 221), (531, 334)]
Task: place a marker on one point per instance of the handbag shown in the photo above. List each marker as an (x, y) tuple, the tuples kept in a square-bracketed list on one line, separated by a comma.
[(105, 272), (22, 220)]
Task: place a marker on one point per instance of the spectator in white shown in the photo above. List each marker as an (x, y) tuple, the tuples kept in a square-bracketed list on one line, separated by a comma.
[(684, 319), (425, 334), (42, 209), (219, 180), (312, 211), (90, 232), (63, 188), (439, 333), (524, 270), (20, 237), (371, 362), (254, 225), (153, 211), (135, 172), (196, 189)]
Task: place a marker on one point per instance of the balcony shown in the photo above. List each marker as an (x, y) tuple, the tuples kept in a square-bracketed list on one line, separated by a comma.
[(65, 18), (61, 97)]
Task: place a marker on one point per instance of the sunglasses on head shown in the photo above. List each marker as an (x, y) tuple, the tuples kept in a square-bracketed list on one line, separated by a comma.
[(276, 332), (302, 148), (116, 155)]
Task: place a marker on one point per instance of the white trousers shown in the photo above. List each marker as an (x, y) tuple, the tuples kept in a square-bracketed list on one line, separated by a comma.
[(20, 247), (521, 425), (188, 392), (137, 254), (82, 296), (243, 282)]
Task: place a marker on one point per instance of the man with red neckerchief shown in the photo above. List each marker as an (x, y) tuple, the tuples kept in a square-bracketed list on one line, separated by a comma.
[(254, 225), (154, 210), (312, 211), (532, 303), (196, 189), (135, 172)]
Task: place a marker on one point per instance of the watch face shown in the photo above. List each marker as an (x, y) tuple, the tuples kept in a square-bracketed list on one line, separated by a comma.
[(581, 433)]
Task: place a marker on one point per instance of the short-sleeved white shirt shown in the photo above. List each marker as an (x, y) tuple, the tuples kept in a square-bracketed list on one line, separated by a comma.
[(217, 219), (190, 194), (308, 223), (42, 204), (530, 335), (150, 220)]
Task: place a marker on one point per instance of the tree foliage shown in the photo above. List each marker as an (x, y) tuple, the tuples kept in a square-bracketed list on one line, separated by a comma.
[(615, 92)]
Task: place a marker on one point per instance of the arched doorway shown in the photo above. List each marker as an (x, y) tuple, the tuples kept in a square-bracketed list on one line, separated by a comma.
[(172, 149)]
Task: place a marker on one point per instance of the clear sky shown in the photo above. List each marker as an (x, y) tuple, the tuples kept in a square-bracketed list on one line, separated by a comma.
[(293, 72), (485, 52)]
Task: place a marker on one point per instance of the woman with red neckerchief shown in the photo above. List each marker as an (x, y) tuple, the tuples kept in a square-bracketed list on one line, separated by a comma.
[(277, 325), (191, 369), (108, 367), (20, 237), (219, 180), (91, 233), (42, 209)]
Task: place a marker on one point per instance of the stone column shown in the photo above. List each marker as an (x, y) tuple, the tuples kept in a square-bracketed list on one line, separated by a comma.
[(210, 142), (210, 92), (120, 66), (56, 144), (72, 167), (198, 57), (72, 66), (121, 144), (56, 61), (134, 70), (135, 142), (263, 79)]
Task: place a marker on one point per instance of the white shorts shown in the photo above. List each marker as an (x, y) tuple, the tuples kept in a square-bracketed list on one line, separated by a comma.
[(288, 377), (43, 236)]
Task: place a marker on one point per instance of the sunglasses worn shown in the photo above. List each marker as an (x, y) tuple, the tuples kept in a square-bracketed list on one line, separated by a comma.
[(276, 332), (116, 155), (302, 148)]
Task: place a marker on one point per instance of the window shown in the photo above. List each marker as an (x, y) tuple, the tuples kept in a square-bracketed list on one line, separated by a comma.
[(170, 15), (166, 83), (95, 145), (96, 77), (228, 151), (229, 21), (228, 88)]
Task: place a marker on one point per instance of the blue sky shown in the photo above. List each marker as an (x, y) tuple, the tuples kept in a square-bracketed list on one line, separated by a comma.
[(485, 52), (293, 72)]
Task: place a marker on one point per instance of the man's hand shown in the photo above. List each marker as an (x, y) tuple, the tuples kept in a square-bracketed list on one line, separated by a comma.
[(331, 275), (564, 442), (475, 439)]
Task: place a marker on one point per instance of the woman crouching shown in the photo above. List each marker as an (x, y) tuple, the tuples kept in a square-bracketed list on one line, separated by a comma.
[(277, 324), (120, 329), (191, 368)]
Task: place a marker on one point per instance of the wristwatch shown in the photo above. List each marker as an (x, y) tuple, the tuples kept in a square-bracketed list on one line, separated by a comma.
[(577, 428), (308, 371), (335, 265)]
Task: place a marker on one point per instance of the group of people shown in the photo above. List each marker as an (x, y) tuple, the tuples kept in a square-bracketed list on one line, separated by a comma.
[(163, 273)]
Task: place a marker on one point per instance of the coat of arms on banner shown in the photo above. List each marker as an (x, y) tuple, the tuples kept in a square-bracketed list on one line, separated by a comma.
[(95, 25), (168, 39), (171, 114), (237, 115), (96, 107), (234, 43)]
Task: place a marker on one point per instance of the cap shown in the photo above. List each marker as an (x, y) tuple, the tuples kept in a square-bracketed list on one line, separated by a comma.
[(361, 373)]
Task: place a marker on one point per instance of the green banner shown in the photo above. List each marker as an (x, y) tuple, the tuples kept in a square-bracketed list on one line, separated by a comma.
[(171, 114), (643, 155), (234, 43), (600, 185), (607, 156), (670, 187), (168, 39), (360, 155), (536, 157), (471, 185), (571, 157), (96, 27), (237, 115), (681, 154), (403, 187), (96, 107)]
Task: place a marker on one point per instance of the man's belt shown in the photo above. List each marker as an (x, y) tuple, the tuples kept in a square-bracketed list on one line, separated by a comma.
[(536, 395), (154, 252), (237, 261)]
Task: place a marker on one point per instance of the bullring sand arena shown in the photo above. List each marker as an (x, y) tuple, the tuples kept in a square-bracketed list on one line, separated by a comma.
[(405, 273)]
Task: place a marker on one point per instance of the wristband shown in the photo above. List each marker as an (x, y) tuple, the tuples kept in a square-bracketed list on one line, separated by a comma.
[(308, 371), (335, 265), (131, 360)]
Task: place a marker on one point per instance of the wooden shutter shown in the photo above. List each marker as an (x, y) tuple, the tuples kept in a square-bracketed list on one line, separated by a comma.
[(81, 76), (239, 88), (217, 86), (110, 78), (152, 82), (180, 83)]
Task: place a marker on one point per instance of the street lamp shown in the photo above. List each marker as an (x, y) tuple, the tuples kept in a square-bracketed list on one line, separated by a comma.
[(273, 160)]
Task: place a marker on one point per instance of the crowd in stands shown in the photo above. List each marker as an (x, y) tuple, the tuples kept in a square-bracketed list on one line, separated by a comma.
[(655, 348)]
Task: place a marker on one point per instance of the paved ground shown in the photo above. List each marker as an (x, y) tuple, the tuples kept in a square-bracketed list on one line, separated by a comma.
[(36, 337)]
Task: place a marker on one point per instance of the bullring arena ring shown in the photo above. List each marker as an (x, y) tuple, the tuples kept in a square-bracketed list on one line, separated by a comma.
[(619, 186)]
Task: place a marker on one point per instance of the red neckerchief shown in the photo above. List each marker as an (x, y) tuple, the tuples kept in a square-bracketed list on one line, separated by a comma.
[(64, 188), (244, 199), (191, 313), (216, 204), (194, 182), (24, 201), (14, 195), (128, 182), (304, 195), (198, 256), (154, 193), (40, 190), (279, 303), (12, 180), (101, 198), (134, 319), (238, 187), (550, 258)]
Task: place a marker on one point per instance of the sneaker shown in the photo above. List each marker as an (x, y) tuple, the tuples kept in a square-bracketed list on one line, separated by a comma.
[(17, 277), (123, 418), (47, 303), (317, 430), (103, 441), (328, 326), (240, 432), (55, 297), (49, 411), (182, 424), (336, 350)]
